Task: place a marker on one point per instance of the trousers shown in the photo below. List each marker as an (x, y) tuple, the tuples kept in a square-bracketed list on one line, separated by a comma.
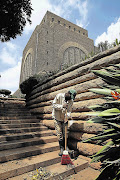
[(60, 129)]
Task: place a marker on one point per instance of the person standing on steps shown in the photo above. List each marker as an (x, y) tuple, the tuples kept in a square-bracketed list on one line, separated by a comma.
[(61, 102)]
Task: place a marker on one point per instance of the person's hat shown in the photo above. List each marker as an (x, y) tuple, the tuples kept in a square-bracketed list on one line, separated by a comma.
[(72, 93)]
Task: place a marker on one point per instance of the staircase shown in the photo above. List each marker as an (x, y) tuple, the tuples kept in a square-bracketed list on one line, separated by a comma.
[(25, 144)]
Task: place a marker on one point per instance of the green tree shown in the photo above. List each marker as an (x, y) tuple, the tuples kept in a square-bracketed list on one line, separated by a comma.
[(102, 46), (14, 14), (5, 92)]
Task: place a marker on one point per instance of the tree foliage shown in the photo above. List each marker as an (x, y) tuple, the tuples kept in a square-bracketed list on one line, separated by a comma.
[(27, 85), (14, 14), (103, 46), (5, 92)]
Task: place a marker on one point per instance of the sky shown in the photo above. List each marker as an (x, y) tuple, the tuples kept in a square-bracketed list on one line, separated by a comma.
[(100, 17)]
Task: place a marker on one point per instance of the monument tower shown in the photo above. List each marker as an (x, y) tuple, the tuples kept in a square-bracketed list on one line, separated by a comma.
[(53, 43)]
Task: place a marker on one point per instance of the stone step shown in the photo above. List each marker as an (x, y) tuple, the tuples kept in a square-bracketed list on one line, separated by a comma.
[(59, 171), (63, 171), (26, 142), (4, 102), (13, 106), (11, 137), (13, 121), (86, 174), (16, 117), (21, 130), (22, 114), (18, 167), (18, 153), (22, 125), (9, 110)]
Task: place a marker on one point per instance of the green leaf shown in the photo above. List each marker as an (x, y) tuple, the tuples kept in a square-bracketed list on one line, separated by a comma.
[(114, 124), (101, 91), (109, 112), (112, 87), (96, 120), (94, 106), (106, 76), (112, 110), (105, 148), (117, 175), (105, 133), (118, 90), (113, 102), (109, 98), (100, 153), (109, 69), (104, 137), (105, 173), (116, 65), (93, 113), (116, 75), (116, 41), (117, 161)]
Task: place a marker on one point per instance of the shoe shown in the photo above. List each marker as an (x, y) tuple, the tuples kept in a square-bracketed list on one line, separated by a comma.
[(61, 145)]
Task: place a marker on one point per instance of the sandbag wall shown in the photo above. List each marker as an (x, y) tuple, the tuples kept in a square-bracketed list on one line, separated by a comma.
[(80, 78)]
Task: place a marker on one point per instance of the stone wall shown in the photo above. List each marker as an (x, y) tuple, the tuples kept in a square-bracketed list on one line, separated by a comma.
[(82, 79), (18, 94)]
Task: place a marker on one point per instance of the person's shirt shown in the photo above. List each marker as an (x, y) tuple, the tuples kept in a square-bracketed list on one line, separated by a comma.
[(58, 111)]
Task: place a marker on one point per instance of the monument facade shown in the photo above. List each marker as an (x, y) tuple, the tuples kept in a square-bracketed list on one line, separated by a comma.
[(53, 44)]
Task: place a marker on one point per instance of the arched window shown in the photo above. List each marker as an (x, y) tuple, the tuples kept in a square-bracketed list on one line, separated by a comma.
[(73, 55), (27, 67)]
